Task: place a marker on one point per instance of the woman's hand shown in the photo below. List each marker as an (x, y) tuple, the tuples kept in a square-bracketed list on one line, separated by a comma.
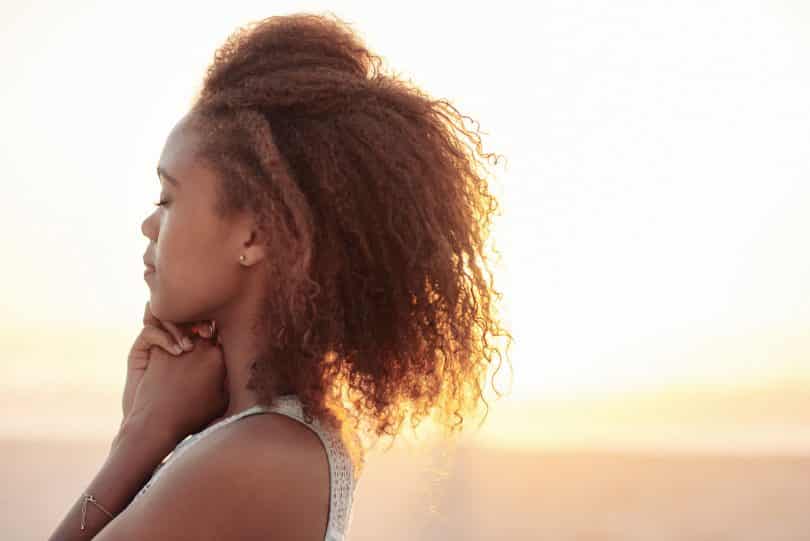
[(155, 334), (182, 393)]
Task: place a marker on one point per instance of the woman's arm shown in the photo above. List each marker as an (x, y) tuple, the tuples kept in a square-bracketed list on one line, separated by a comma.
[(265, 477), (176, 396), (136, 451)]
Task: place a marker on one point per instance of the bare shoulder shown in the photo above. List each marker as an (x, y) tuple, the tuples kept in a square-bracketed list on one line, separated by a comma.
[(262, 477)]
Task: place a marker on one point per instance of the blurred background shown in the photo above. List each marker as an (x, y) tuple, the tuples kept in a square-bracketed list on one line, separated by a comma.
[(655, 264)]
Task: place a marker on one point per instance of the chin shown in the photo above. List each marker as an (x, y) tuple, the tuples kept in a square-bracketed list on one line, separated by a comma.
[(167, 311), (159, 309), (155, 307)]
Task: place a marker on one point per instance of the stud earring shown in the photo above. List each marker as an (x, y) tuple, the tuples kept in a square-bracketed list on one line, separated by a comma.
[(242, 258)]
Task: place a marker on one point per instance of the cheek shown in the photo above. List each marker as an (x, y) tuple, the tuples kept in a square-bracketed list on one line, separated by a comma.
[(166, 252), (174, 254), (190, 267), (193, 288), (178, 287)]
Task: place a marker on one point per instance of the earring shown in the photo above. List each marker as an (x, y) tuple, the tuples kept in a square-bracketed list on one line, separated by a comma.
[(242, 258)]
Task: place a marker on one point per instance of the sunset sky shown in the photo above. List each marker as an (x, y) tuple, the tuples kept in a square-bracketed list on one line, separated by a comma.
[(656, 200)]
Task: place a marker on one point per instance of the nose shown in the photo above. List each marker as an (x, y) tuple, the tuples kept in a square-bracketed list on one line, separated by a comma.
[(148, 227)]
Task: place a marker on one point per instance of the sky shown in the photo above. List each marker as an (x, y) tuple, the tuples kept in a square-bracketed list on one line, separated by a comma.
[(654, 198)]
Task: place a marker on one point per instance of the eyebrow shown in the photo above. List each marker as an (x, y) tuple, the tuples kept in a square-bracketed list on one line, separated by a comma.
[(162, 173)]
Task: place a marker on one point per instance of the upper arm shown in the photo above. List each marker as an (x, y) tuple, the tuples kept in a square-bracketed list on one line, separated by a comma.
[(235, 487)]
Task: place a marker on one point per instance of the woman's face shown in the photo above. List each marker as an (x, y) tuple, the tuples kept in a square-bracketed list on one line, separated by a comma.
[(194, 252)]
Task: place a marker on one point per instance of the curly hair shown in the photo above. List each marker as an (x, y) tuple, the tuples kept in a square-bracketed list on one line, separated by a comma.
[(376, 212)]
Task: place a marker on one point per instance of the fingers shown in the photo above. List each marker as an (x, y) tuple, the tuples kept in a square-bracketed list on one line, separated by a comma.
[(155, 336), (176, 332), (203, 328)]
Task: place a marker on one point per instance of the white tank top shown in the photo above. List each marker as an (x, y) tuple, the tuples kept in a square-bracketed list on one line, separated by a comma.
[(342, 481)]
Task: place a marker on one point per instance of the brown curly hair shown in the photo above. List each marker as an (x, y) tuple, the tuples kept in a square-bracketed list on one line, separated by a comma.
[(376, 210)]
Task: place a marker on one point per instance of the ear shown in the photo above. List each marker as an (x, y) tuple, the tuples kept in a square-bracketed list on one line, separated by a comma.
[(253, 250)]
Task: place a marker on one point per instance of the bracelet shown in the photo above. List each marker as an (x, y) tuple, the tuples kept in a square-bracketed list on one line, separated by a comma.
[(92, 499)]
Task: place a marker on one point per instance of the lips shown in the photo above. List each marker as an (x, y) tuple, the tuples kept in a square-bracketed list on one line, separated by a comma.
[(148, 271)]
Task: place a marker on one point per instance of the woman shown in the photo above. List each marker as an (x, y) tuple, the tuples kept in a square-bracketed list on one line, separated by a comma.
[(316, 253)]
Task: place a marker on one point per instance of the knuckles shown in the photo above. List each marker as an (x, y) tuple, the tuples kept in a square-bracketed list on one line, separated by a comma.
[(204, 349)]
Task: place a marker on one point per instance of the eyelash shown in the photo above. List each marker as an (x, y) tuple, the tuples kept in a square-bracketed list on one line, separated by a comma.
[(160, 203)]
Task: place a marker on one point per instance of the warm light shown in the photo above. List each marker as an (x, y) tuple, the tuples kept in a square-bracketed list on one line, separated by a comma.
[(655, 198)]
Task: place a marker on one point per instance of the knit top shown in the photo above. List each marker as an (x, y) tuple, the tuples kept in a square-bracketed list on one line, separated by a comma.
[(342, 481)]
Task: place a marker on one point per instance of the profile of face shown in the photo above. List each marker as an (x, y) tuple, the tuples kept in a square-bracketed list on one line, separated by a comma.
[(195, 253)]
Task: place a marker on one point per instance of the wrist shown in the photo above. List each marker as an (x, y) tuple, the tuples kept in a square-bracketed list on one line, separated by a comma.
[(148, 436), (137, 449)]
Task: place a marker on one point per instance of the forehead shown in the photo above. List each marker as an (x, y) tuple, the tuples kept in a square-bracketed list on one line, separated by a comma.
[(182, 160), (180, 148)]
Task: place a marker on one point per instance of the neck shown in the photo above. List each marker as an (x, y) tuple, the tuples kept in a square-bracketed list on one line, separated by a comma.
[(240, 349), (234, 322)]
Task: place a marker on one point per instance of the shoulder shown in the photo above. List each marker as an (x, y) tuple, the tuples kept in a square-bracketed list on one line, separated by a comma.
[(262, 476)]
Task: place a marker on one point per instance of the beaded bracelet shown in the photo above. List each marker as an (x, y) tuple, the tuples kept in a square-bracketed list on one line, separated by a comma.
[(92, 499)]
